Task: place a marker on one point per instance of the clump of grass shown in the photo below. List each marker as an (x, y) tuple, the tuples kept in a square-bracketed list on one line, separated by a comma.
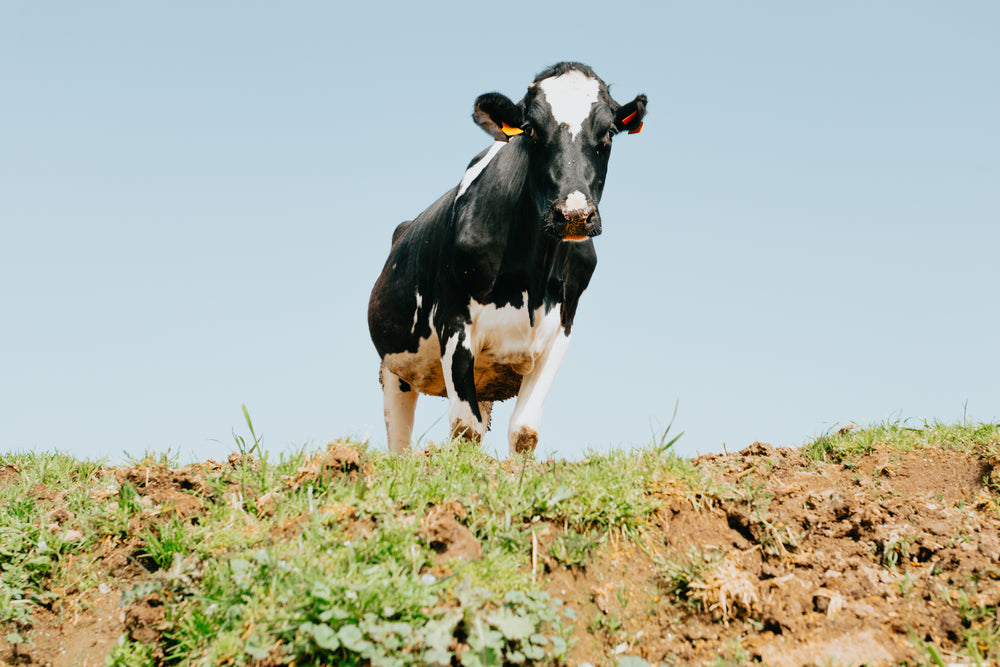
[(571, 548), (849, 444), (711, 583), (47, 518)]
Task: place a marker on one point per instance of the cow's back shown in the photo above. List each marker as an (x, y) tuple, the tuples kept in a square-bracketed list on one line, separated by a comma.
[(397, 317)]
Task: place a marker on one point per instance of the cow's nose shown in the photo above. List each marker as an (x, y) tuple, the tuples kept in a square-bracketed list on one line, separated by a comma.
[(576, 209)]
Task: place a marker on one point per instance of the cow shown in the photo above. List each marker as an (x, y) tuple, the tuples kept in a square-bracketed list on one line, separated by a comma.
[(477, 298)]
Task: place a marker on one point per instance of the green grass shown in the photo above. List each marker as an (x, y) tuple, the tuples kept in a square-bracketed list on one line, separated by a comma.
[(334, 566), (851, 443)]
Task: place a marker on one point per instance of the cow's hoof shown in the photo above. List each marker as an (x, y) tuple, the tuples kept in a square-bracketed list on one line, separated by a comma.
[(466, 432), (524, 441)]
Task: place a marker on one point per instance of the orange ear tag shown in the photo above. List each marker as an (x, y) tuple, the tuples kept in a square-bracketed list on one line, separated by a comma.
[(510, 131), (629, 118), (636, 130)]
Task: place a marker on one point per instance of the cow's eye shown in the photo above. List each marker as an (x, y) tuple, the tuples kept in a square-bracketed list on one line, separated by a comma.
[(528, 130), (605, 142)]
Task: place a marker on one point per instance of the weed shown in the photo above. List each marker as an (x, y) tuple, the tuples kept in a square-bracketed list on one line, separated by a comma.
[(679, 579), (572, 548)]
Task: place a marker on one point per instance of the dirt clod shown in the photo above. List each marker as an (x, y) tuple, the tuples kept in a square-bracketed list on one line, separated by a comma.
[(142, 618), (8, 474), (336, 461), (446, 536)]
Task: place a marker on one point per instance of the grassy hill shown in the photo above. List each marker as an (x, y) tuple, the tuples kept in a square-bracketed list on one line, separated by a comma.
[(877, 545)]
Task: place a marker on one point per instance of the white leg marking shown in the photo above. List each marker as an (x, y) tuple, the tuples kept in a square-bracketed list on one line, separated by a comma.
[(460, 415), (535, 386), (399, 408)]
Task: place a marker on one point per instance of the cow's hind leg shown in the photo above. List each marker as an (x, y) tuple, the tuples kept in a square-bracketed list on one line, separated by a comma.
[(458, 364), (527, 417), (486, 410), (400, 403)]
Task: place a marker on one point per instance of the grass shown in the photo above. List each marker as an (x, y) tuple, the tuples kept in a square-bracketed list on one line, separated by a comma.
[(326, 558), (850, 443)]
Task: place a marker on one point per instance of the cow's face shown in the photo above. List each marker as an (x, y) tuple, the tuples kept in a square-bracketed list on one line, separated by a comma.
[(566, 122)]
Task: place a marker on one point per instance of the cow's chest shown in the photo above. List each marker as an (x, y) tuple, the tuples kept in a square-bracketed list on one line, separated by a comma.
[(505, 341)]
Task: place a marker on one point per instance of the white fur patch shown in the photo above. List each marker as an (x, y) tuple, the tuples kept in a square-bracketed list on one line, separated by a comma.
[(473, 172), (571, 97), (576, 201), (416, 313), (502, 335)]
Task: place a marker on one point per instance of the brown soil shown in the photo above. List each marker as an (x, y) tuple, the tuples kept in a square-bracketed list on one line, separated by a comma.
[(805, 564), (335, 461), (836, 564), (446, 536), (81, 634)]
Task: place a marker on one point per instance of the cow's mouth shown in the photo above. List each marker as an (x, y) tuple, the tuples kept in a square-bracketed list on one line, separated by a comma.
[(573, 228)]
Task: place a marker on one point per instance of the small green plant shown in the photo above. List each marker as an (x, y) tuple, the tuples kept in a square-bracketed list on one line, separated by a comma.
[(571, 548), (896, 551), (905, 584), (680, 579), (166, 541)]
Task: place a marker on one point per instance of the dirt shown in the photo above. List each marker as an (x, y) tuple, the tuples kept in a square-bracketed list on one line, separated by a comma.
[(449, 539), (805, 564), (8, 473), (167, 491), (337, 460), (842, 563), (80, 634)]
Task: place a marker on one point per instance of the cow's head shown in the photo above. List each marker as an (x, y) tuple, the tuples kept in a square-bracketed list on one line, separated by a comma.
[(565, 122)]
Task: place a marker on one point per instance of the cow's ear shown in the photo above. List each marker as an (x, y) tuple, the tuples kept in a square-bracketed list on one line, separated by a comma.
[(495, 113), (629, 116)]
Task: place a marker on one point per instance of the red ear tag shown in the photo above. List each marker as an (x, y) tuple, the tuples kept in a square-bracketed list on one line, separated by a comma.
[(636, 130), (510, 131), (629, 118)]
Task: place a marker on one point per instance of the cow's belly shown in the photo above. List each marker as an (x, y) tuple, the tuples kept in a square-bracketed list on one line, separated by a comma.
[(504, 343)]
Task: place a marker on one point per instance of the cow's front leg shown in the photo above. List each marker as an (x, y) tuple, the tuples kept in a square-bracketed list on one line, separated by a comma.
[(400, 403), (458, 366), (527, 417)]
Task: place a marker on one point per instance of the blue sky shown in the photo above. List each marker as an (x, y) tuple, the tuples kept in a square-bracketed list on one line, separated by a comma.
[(195, 199)]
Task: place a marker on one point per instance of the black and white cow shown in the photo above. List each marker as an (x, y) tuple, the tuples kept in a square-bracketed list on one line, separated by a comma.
[(477, 299)]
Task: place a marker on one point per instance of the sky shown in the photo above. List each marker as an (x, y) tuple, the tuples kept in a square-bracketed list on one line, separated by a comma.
[(197, 197)]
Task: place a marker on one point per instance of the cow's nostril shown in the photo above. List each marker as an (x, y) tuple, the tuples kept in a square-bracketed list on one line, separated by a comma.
[(576, 215)]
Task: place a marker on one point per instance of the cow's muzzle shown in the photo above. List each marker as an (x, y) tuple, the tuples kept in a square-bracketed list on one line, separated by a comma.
[(575, 218)]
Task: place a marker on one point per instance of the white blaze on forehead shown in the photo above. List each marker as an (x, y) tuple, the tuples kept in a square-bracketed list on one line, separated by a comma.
[(571, 97), (473, 172)]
